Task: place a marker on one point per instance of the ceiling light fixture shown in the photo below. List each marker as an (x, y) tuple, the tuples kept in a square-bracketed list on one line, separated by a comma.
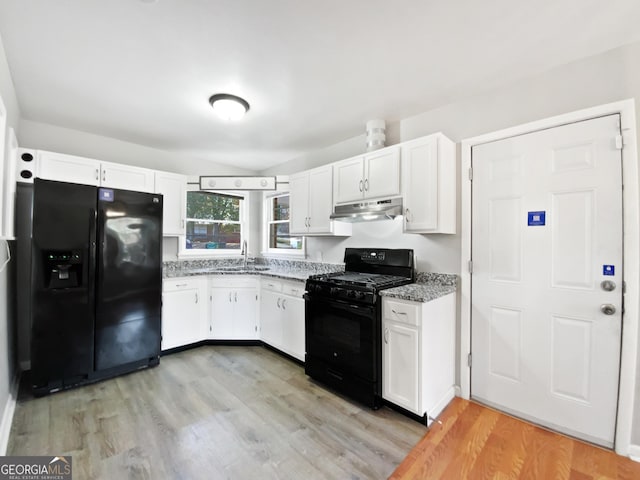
[(229, 107)]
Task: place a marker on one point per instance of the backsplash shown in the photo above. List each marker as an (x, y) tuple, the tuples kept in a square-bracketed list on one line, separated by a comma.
[(443, 279)]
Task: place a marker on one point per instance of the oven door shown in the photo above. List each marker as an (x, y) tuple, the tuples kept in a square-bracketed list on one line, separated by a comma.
[(343, 336)]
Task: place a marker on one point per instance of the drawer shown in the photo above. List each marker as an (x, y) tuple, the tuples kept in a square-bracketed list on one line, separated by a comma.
[(295, 289), (403, 312), (233, 281), (180, 283), (271, 284)]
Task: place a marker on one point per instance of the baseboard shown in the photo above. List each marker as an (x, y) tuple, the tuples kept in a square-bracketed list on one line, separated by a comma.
[(634, 453), (7, 417), (442, 403)]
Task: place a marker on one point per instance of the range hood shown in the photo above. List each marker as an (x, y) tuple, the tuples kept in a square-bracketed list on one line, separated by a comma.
[(368, 211)]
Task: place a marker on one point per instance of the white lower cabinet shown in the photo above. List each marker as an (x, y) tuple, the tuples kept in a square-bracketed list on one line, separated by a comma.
[(282, 316), (234, 307), (418, 354), (184, 311)]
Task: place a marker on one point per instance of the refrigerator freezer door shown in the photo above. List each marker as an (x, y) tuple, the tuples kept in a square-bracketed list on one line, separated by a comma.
[(62, 284), (129, 278)]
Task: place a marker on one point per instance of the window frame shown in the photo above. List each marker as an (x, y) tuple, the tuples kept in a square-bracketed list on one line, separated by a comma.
[(267, 221), (184, 252)]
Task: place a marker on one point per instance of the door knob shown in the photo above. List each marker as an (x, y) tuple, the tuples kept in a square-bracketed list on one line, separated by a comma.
[(608, 285), (607, 309)]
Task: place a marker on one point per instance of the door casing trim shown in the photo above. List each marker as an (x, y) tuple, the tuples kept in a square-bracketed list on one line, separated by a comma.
[(631, 252)]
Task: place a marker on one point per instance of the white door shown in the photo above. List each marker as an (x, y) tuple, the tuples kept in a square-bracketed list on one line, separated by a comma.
[(125, 177), (181, 318), (174, 191), (348, 180), (245, 314), (271, 318), (68, 168), (222, 310), (320, 205), (382, 173), (400, 361), (546, 231), (420, 184), (293, 326), (298, 203)]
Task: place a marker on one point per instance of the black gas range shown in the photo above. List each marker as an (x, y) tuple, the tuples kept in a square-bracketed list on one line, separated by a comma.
[(343, 312)]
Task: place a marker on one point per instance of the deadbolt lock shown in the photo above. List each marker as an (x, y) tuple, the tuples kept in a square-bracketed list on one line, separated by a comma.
[(608, 285)]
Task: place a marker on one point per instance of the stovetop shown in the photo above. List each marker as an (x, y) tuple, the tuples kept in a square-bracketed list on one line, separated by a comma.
[(365, 280)]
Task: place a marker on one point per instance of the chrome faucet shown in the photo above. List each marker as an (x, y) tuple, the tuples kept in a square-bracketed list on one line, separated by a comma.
[(244, 252)]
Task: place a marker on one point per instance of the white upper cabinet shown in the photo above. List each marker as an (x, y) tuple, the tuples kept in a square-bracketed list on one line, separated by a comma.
[(382, 173), (173, 188), (125, 177), (429, 185), (312, 204), (370, 176), (348, 180), (67, 168), (87, 171)]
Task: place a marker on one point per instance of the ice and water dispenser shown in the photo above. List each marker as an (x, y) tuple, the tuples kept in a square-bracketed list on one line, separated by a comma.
[(63, 268)]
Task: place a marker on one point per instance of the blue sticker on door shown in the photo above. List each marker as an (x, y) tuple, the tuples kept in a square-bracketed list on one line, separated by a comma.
[(609, 270), (536, 218)]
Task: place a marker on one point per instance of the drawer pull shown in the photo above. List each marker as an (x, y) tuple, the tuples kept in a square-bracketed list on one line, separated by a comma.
[(398, 313), (181, 284), (284, 303), (278, 302)]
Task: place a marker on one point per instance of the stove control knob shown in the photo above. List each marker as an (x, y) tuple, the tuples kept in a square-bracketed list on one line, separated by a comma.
[(334, 291), (360, 295), (351, 294)]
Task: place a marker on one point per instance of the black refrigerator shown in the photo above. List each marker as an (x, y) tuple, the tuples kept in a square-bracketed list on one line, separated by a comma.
[(96, 283)]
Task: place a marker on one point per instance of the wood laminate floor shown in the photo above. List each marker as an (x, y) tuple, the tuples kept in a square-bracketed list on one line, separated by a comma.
[(213, 413), (474, 442)]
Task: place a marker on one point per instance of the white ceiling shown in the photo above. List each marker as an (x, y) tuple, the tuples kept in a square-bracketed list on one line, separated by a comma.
[(313, 72)]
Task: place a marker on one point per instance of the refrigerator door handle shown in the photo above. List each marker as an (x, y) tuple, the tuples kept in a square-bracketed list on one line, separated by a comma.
[(92, 257)]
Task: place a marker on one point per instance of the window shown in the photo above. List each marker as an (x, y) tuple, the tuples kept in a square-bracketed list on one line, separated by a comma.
[(214, 222), (278, 238)]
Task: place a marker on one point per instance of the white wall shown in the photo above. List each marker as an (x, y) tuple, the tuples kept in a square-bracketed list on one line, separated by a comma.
[(74, 142), (7, 304)]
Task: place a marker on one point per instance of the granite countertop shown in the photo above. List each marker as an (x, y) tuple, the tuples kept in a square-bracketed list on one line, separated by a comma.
[(286, 269), (428, 287), (284, 273)]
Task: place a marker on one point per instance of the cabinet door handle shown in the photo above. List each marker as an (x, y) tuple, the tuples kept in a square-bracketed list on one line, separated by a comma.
[(284, 303), (236, 297), (230, 293), (406, 215), (398, 313), (360, 185), (386, 335), (278, 302), (196, 297), (183, 223), (366, 185), (104, 175), (97, 174)]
